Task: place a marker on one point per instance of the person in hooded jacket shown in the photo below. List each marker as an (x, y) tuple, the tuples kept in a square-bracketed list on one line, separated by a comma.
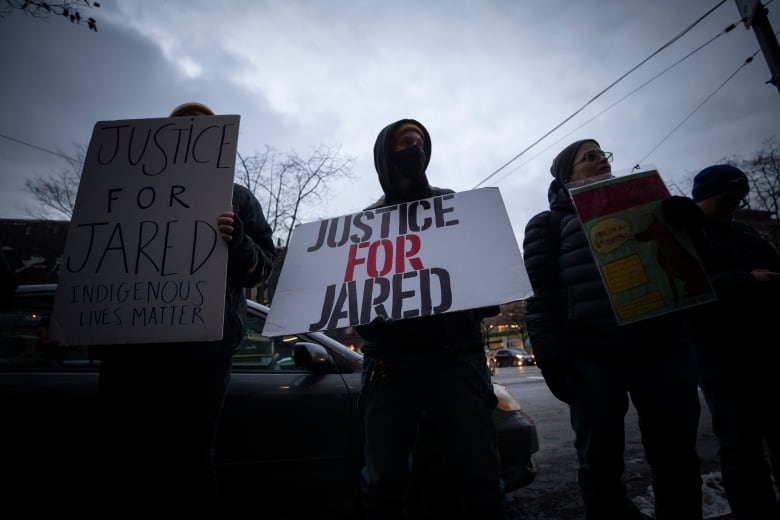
[(425, 380), (595, 366), (735, 337)]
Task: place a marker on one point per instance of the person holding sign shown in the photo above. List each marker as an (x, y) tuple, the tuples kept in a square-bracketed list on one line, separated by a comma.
[(595, 366), (425, 379), (735, 345), (163, 401)]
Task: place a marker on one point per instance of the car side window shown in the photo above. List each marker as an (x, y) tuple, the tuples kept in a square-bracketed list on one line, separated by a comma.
[(262, 352), (23, 320)]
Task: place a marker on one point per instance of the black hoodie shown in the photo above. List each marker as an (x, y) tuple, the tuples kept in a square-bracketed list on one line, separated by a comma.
[(449, 334)]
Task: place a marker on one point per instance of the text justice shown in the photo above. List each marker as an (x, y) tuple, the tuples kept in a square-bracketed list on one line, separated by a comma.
[(412, 217)]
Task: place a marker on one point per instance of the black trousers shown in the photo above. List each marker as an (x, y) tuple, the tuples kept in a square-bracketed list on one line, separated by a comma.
[(161, 413)]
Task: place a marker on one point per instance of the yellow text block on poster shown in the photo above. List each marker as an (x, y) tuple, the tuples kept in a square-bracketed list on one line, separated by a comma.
[(624, 274), (648, 303)]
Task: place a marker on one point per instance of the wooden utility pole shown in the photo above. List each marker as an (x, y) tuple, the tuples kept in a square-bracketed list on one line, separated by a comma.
[(754, 15)]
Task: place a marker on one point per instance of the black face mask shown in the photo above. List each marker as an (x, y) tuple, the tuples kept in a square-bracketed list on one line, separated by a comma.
[(409, 161)]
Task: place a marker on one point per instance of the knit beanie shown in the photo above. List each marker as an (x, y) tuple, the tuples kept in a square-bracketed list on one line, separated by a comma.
[(717, 179), (184, 108), (405, 127), (564, 161)]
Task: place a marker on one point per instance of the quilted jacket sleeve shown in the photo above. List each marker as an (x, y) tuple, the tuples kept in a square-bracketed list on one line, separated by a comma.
[(540, 254)]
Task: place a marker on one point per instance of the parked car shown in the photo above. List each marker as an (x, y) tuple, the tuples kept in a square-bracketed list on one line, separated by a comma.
[(512, 357), (290, 442)]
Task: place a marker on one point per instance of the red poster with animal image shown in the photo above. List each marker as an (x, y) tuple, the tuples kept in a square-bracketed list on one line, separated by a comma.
[(648, 266)]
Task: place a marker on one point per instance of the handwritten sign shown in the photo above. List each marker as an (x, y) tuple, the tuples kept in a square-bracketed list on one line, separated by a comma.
[(648, 267), (430, 256), (143, 259)]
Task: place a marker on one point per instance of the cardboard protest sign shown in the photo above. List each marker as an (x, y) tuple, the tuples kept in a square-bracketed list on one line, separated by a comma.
[(648, 267), (144, 261), (431, 256)]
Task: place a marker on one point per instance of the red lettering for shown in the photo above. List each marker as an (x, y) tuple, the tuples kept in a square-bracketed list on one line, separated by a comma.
[(387, 255), (354, 260), (380, 257), (401, 252)]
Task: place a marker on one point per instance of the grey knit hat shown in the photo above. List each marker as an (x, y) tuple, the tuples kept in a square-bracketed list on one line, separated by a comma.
[(564, 161)]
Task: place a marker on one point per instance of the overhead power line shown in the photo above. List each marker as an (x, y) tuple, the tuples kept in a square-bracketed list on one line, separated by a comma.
[(594, 98), (25, 143), (748, 60), (728, 29)]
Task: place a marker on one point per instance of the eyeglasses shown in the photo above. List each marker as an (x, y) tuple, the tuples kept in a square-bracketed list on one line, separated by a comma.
[(593, 156)]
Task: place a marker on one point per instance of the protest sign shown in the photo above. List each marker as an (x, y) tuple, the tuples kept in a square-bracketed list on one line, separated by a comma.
[(431, 256), (144, 261), (648, 267)]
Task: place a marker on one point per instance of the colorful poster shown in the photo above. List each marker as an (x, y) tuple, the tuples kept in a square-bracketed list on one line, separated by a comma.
[(648, 267), (420, 258), (143, 259)]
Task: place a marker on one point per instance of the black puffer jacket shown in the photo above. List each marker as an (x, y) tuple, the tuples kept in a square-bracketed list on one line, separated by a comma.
[(453, 333), (570, 314)]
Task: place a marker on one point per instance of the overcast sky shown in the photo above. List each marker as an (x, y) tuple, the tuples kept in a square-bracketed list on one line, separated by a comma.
[(487, 77)]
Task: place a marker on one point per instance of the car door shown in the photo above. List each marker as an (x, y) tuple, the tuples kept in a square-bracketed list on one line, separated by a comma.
[(49, 403), (288, 435)]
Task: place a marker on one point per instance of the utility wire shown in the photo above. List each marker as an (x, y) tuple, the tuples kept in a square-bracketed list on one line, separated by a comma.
[(62, 155), (748, 60), (510, 161), (728, 29)]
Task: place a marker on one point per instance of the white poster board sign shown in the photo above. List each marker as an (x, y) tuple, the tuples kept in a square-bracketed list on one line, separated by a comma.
[(143, 259), (436, 255)]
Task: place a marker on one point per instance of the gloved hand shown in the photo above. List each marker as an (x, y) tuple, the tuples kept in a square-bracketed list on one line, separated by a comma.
[(558, 381), (555, 368), (375, 327), (680, 211)]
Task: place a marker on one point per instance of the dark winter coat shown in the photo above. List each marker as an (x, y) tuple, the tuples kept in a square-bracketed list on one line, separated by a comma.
[(570, 315), (258, 251), (453, 333), (746, 310)]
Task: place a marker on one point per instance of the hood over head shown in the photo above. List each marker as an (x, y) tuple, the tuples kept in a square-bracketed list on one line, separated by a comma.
[(564, 161), (383, 150)]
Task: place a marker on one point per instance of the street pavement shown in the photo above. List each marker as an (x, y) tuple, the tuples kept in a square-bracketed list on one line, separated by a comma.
[(542, 406)]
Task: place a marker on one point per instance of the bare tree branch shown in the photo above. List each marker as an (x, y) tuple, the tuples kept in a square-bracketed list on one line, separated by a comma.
[(37, 9), (287, 185), (58, 191)]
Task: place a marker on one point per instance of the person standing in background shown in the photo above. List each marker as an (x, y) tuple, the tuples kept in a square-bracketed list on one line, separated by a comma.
[(736, 338), (595, 366)]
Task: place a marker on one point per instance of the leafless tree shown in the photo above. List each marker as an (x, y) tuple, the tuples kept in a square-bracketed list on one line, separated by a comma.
[(57, 192), (289, 186), (69, 10), (763, 172)]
